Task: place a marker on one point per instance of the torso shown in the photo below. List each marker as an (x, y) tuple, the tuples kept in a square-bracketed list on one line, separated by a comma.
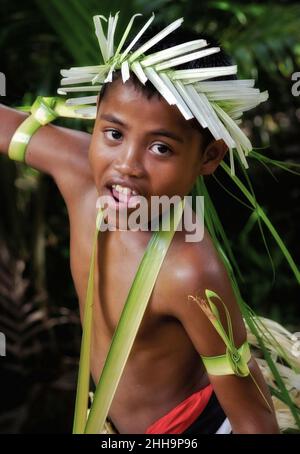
[(161, 345)]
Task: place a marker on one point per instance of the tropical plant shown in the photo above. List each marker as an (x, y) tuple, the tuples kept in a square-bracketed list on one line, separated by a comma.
[(40, 353)]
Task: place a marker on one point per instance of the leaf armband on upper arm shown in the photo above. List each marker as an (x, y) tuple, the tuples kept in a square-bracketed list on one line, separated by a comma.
[(232, 362), (235, 360)]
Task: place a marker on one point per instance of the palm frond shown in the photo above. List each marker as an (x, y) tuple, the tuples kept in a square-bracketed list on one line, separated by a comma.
[(71, 20)]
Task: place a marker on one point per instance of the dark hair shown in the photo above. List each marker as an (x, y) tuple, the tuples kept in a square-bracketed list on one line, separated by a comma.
[(179, 36)]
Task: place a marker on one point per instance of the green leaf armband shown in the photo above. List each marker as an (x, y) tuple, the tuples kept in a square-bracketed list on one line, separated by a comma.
[(235, 360), (42, 113), (232, 362)]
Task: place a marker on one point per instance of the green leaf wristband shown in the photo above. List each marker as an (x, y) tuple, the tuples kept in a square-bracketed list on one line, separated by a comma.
[(42, 113)]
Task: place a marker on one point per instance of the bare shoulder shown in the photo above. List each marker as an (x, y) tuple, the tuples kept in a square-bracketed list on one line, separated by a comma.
[(190, 270)]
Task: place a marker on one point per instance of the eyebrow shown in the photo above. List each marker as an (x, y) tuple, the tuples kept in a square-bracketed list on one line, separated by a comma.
[(159, 132)]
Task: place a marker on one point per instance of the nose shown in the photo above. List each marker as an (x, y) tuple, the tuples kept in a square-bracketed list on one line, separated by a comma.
[(129, 162)]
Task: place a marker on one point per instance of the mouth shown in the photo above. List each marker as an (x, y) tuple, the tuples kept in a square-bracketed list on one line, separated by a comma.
[(121, 197)]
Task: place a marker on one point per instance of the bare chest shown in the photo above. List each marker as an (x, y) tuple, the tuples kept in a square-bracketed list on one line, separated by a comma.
[(116, 266), (161, 343), (117, 263)]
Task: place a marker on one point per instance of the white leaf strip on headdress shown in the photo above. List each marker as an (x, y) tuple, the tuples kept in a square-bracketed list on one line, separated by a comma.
[(160, 86), (125, 34), (77, 80), (174, 51), (139, 72), (192, 75), (101, 76), (243, 144), (158, 37), (128, 48), (83, 100), (109, 76), (214, 125), (125, 71), (186, 58), (64, 91), (186, 112), (88, 112), (222, 85), (230, 123), (101, 37), (191, 103), (112, 23), (73, 72)]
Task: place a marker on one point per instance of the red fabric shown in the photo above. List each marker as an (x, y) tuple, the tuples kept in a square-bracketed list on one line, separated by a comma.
[(182, 416)]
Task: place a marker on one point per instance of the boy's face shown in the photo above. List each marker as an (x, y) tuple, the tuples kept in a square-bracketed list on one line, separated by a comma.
[(146, 145)]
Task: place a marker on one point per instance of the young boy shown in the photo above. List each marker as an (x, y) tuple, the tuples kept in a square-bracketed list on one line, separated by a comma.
[(142, 143)]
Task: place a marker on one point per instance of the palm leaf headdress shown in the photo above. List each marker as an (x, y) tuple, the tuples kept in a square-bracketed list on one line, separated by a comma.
[(216, 105)]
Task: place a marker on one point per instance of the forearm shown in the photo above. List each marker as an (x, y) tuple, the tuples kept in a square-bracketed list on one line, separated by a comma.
[(52, 149), (259, 417), (250, 410), (262, 423)]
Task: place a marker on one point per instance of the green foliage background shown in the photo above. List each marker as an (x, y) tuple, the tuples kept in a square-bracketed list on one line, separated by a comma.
[(38, 306)]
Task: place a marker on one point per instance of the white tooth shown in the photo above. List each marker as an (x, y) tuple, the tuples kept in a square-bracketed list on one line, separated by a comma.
[(124, 189)]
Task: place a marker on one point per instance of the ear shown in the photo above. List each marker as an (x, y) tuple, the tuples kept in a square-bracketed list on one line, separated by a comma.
[(212, 156)]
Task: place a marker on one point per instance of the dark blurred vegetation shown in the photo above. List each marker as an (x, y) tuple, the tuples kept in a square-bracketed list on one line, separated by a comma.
[(38, 306)]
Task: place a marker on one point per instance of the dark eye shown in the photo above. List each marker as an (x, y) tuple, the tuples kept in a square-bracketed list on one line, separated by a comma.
[(113, 134), (161, 149)]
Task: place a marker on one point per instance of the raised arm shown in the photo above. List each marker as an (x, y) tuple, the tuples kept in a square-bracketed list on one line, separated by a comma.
[(59, 152)]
